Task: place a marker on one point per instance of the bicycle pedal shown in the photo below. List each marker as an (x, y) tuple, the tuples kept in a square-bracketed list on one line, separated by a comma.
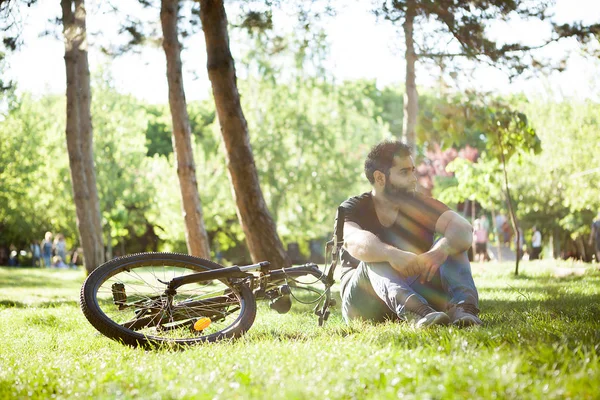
[(119, 295), (202, 324)]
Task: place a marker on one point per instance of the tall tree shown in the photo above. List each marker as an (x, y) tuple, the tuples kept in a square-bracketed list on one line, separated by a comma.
[(411, 96), (504, 133), (461, 25), (79, 133), (195, 232), (257, 223)]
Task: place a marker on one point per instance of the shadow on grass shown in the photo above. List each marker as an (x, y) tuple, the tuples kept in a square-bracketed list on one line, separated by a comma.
[(561, 303), (39, 278), (12, 303), (553, 287), (43, 304), (304, 300), (566, 318), (549, 278), (303, 336)]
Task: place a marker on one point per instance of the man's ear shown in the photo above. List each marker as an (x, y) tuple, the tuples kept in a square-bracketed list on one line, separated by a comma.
[(379, 178)]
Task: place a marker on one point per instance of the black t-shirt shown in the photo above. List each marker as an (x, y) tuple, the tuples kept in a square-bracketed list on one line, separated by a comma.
[(412, 231)]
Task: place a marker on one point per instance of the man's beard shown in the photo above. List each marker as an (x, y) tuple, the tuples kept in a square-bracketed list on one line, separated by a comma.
[(397, 194)]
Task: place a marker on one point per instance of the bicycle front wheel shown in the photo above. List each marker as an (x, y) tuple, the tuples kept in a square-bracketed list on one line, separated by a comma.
[(126, 300)]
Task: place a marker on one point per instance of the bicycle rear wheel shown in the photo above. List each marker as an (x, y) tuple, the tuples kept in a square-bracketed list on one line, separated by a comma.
[(126, 300)]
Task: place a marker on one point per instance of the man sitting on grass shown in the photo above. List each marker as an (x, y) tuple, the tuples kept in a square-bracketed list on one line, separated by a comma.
[(391, 267)]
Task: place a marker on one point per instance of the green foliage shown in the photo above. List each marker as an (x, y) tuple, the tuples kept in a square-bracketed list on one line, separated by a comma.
[(119, 149), (460, 29), (552, 189), (509, 133), (480, 181), (309, 140), (557, 187), (158, 131), (450, 121), (34, 171), (309, 136), (500, 132), (159, 127)]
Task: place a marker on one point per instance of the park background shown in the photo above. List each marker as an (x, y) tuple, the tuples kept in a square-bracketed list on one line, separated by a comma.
[(317, 92), (320, 82)]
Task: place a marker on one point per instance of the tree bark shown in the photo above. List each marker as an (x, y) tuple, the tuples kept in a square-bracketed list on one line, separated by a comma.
[(411, 97), (257, 223), (496, 235), (556, 243), (195, 232), (511, 211), (79, 134)]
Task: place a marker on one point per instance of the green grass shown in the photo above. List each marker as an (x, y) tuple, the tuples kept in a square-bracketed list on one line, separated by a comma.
[(540, 340)]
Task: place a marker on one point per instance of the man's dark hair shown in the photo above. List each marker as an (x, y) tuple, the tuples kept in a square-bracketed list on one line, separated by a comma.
[(381, 157)]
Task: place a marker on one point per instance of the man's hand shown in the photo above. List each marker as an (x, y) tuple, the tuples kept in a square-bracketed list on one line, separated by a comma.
[(406, 269), (428, 263), (403, 261)]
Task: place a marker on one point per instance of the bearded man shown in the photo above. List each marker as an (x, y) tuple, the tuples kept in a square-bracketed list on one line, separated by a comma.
[(392, 268)]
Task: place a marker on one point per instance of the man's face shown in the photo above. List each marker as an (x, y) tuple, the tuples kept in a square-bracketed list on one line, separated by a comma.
[(402, 180)]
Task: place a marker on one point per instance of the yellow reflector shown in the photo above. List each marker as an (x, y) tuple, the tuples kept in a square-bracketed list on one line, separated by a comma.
[(202, 324)]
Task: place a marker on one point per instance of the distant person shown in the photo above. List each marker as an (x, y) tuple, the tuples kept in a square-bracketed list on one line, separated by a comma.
[(13, 256), (507, 233), (47, 249), (485, 224), (58, 262), (595, 236), (536, 244), (500, 221), (391, 267), (36, 254), (481, 239), (519, 245), (76, 257), (60, 246)]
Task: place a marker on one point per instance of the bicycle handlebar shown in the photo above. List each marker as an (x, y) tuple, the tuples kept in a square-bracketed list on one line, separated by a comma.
[(338, 232)]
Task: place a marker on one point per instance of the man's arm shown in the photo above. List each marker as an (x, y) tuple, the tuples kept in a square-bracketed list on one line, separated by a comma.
[(457, 235), (367, 247), (457, 232)]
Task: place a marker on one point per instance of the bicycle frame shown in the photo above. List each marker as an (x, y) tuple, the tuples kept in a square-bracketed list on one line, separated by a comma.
[(268, 276)]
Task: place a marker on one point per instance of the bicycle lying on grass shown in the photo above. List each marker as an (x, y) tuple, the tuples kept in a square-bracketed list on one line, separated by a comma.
[(148, 299)]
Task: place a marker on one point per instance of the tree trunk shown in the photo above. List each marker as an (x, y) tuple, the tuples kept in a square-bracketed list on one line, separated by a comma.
[(411, 97), (195, 232), (109, 248), (496, 235), (581, 249), (511, 211), (556, 250), (257, 224), (80, 135), (87, 131)]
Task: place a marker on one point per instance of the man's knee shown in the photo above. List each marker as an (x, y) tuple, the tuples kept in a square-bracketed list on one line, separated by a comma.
[(460, 258)]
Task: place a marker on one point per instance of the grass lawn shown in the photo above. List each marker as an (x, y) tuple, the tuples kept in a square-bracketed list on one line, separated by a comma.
[(540, 340)]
